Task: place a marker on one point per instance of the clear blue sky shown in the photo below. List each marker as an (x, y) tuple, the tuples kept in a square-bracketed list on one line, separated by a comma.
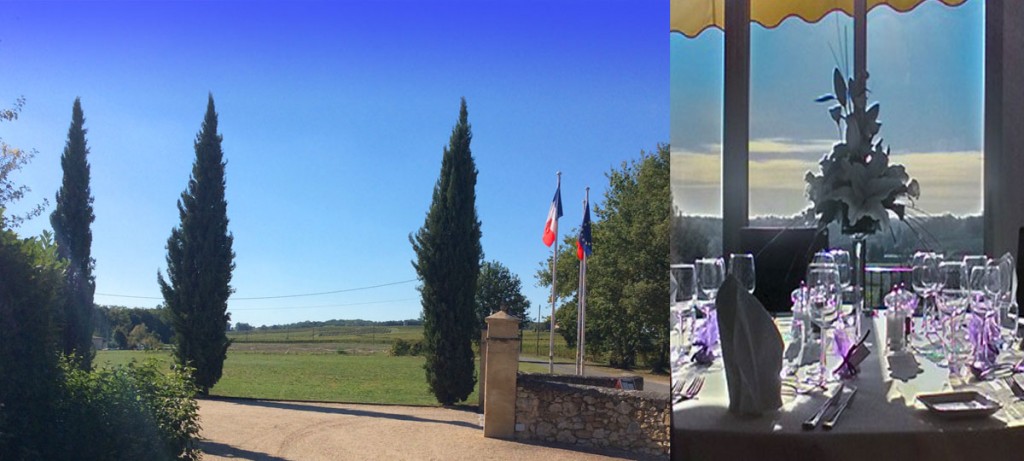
[(334, 116), (926, 67)]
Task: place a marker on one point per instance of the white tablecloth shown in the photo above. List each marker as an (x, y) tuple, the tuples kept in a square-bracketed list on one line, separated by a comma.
[(884, 420)]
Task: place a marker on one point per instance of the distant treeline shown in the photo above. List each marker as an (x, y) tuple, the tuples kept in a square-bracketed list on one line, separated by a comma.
[(128, 327), (700, 236), (241, 326)]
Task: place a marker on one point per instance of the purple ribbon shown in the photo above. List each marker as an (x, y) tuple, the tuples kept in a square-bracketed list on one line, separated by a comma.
[(854, 355), (706, 340), (983, 332)]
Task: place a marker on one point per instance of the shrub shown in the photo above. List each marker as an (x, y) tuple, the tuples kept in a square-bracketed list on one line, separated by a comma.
[(402, 347), (128, 412)]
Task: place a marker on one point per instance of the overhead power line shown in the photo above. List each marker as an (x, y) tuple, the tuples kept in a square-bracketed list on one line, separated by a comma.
[(233, 298), (321, 306)]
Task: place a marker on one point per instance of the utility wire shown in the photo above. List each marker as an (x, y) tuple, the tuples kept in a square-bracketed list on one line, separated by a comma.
[(321, 306), (279, 296)]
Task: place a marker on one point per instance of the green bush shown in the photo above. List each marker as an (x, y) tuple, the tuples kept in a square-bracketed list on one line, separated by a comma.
[(128, 412), (402, 347)]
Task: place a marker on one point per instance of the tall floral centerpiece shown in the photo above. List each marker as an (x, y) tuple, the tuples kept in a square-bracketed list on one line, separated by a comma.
[(857, 186)]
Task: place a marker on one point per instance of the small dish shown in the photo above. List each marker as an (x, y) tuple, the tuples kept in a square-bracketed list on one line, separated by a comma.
[(957, 405)]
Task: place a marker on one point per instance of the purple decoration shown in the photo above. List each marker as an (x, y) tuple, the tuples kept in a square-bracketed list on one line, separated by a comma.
[(853, 357), (983, 332), (706, 340)]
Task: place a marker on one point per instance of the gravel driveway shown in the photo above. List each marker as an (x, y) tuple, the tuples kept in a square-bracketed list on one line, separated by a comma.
[(270, 430)]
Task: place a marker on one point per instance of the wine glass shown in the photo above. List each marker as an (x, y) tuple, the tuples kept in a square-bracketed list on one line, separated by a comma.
[(927, 282), (684, 291), (1007, 302), (710, 275), (823, 283), (952, 304), (972, 261), (741, 266), (842, 259)]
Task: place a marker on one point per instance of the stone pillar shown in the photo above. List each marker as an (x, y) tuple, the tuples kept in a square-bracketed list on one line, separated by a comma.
[(500, 366), (483, 368)]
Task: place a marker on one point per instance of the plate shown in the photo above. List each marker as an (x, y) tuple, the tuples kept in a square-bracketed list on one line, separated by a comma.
[(956, 405)]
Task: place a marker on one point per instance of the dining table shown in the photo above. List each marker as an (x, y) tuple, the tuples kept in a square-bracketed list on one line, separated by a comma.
[(883, 421)]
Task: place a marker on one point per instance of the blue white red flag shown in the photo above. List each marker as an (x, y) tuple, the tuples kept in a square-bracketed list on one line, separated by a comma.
[(551, 226)]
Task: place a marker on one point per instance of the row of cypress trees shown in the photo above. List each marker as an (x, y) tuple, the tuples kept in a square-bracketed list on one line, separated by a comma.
[(200, 260), (199, 254)]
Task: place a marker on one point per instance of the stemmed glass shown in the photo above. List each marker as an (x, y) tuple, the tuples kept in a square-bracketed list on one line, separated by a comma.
[(1006, 301), (824, 290), (741, 266), (984, 285), (684, 292), (927, 283), (952, 304), (849, 301), (710, 275)]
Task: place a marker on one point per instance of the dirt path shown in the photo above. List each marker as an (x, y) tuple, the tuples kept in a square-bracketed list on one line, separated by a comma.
[(268, 430)]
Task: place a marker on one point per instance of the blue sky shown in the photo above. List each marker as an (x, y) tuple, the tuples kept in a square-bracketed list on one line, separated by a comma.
[(926, 71), (334, 116)]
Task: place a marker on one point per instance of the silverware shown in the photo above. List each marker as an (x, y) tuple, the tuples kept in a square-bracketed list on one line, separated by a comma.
[(842, 406), (1014, 386), (812, 422), (691, 391)]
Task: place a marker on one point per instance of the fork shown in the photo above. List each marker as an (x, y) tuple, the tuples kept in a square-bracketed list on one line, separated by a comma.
[(691, 391)]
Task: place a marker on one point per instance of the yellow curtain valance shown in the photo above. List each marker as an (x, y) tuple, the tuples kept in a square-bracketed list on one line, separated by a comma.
[(691, 17)]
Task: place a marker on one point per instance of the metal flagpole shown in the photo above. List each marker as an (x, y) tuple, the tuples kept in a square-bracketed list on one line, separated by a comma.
[(579, 320), (583, 299), (554, 267)]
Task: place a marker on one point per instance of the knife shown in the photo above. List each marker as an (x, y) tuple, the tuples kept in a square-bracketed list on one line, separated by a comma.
[(812, 422), (842, 406)]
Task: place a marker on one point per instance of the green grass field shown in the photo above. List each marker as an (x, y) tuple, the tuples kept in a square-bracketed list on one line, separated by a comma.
[(332, 334), (535, 343), (335, 364), (304, 376)]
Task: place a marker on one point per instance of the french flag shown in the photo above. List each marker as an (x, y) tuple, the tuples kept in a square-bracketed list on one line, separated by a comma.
[(551, 226)]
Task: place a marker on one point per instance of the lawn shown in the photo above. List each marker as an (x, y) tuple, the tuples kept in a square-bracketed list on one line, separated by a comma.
[(308, 376), (331, 334)]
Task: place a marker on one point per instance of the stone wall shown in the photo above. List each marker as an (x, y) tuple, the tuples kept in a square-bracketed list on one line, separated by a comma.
[(591, 416)]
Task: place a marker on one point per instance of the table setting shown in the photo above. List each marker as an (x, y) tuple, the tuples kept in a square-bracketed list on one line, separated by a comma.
[(935, 372)]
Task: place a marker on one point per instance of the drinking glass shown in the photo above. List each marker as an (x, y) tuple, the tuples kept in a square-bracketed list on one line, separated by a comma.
[(972, 261), (927, 282), (684, 291), (823, 283), (741, 266), (1007, 302), (952, 304), (710, 275), (842, 259)]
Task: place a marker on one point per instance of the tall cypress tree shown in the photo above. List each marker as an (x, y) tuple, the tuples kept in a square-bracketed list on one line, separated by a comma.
[(200, 261), (448, 256), (71, 221)]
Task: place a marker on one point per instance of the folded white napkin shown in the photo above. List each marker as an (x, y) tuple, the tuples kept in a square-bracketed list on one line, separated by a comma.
[(751, 351)]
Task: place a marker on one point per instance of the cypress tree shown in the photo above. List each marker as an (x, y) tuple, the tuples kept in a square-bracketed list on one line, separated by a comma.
[(448, 256), (71, 220), (200, 261)]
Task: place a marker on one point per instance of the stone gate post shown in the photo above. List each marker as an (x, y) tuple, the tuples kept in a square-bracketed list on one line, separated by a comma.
[(500, 367)]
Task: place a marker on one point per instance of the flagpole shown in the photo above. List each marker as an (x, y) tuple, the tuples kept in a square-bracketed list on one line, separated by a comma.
[(583, 302), (554, 267)]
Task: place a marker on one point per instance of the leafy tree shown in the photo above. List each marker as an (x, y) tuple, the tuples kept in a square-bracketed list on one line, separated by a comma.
[(627, 275), (448, 255), (498, 288), (200, 262), (71, 220), (11, 160), (30, 296), (242, 326)]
